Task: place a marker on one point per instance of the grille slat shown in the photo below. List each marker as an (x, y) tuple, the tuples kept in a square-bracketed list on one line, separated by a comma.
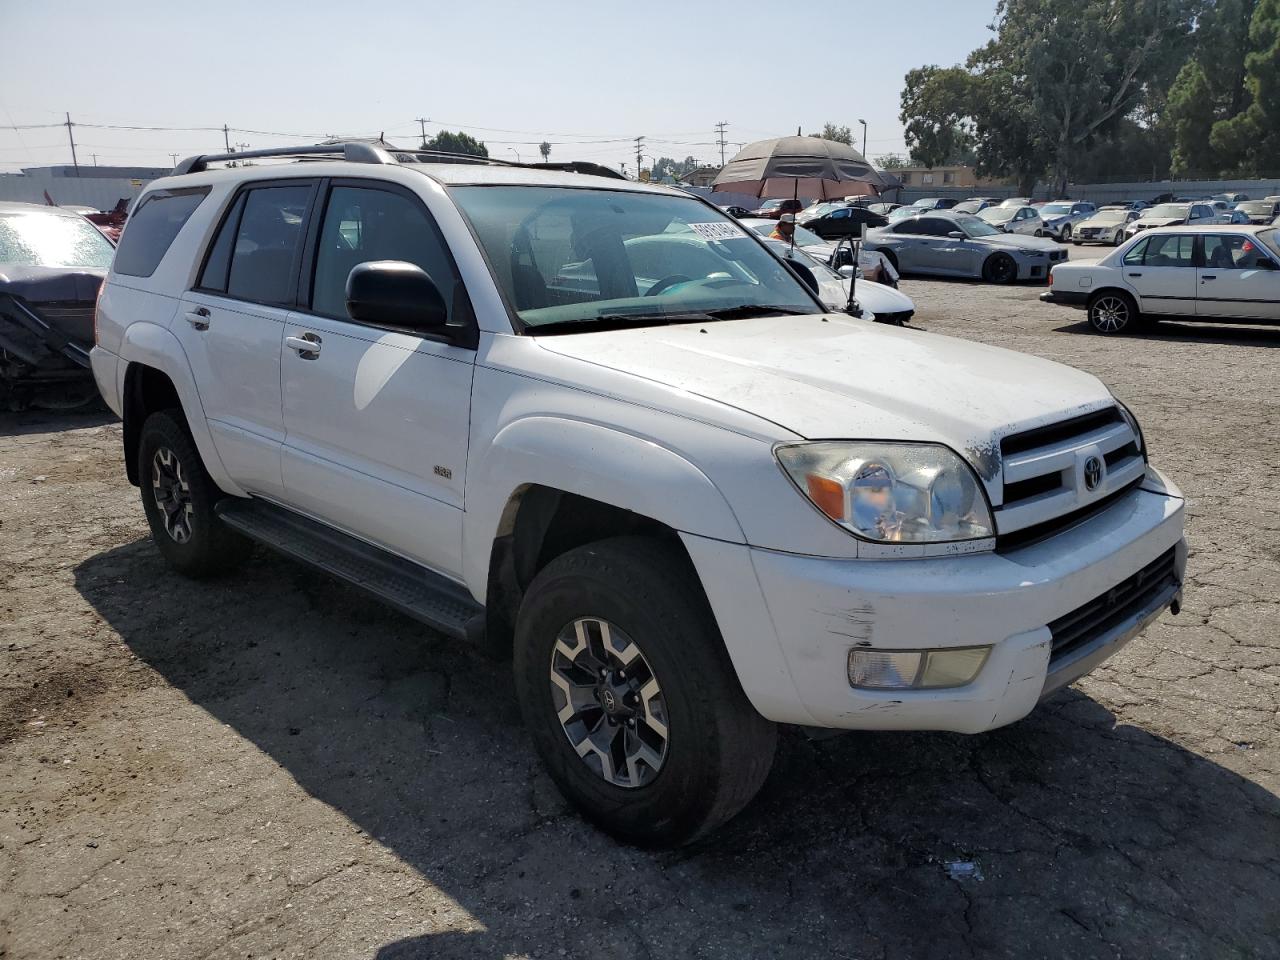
[(1045, 487), (1077, 628)]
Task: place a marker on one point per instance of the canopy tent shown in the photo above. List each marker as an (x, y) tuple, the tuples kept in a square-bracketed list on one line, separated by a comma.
[(809, 168)]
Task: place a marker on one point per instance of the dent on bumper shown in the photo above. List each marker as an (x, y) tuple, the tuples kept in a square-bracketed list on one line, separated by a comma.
[(820, 608)]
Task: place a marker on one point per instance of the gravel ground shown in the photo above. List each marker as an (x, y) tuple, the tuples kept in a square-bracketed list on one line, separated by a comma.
[(273, 766)]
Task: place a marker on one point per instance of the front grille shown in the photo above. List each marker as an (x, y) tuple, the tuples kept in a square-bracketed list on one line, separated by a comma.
[(1105, 612), (1047, 472), (1056, 255)]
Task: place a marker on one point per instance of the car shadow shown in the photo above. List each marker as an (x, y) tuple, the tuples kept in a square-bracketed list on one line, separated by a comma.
[(48, 421), (1179, 331), (1068, 834)]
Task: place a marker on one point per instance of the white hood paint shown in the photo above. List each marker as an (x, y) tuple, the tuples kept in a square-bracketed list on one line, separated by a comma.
[(1156, 221), (836, 377)]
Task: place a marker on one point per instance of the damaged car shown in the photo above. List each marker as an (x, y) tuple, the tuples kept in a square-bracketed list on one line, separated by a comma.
[(52, 262)]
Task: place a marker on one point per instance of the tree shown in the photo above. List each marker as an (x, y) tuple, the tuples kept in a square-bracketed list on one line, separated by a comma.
[(832, 132), (1190, 114), (544, 148), (891, 161), (448, 142), (1250, 140)]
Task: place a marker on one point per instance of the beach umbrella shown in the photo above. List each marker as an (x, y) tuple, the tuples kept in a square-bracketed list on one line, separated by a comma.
[(807, 168)]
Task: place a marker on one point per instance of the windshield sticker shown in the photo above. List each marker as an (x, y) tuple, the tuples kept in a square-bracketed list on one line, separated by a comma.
[(717, 231)]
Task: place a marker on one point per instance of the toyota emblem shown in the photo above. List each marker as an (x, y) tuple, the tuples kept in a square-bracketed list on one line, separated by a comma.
[(1092, 473)]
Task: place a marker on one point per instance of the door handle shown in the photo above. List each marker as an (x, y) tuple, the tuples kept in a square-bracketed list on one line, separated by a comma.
[(199, 318), (307, 345), (1203, 279), (1133, 274)]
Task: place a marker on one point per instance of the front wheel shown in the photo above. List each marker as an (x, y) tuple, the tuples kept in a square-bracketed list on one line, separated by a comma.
[(1066, 233), (629, 695), (1112, 312), (1117, 239), (1000, 268)]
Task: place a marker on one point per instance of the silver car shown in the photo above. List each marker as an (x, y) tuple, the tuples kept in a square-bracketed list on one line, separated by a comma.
[(1062, 216), (1105, 226), (961, 245)]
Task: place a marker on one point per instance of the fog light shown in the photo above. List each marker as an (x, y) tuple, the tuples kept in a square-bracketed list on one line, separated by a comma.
[(915, 669)]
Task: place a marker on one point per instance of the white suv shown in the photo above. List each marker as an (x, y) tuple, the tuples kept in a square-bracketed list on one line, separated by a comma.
[(597, 425)]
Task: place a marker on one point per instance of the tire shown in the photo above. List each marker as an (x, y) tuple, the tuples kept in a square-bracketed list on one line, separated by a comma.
[(178, 497), (1041, 234), (1066, 233), (893, 261), (1112, 312), (1076, 243), (1117, 239), (1000, 268), (717, 750)]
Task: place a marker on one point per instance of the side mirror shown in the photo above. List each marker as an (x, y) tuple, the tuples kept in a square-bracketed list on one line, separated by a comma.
[(1263, 263), (846, 271), (396, 294), (956, 234)]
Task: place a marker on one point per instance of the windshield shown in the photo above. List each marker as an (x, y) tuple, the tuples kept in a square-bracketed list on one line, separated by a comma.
[(1271, 238), (1056, 209), (976, 226), (1015, 202), (565, 255), (902, 213), (52, 240), (998, 214), (968, 206), (1168, 211), (1110, 216), (1257, 208)]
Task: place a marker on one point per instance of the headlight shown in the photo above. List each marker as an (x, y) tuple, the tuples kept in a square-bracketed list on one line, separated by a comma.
[(891, 492), (1132, 421)]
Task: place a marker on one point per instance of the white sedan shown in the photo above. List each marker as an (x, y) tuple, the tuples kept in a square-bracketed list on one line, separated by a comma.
[(1023, 220), (1224, 272)]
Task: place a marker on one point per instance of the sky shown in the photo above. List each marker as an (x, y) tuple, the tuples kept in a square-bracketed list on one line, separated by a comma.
[(586, 76)]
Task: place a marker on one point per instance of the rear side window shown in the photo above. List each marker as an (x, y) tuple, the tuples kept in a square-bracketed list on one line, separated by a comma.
[(267, 236), (214, 275), (152, 228), (1139, 250)]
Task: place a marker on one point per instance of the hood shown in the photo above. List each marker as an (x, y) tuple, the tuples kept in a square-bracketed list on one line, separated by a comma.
[(1021, 241), (1157, 221), (1103, 224), (51, 284), (837, 377)]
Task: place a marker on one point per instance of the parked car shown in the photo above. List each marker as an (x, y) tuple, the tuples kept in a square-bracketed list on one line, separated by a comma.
[(872, 265), (1230, 199), (961, 245), (621, 384), (1136, 205), (884, 209), (1105, 226), (1172, 215), (1259, 211), (976, 204), (773, 209), (52, 262), (1016, 202), (1023, 220), (936, 203), (893, 216), (734, 210), (1061, 217), (875, 301), (1217, 272), (843, 222)]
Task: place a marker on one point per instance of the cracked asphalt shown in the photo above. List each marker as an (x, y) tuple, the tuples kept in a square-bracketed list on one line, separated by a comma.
[(274, 766)]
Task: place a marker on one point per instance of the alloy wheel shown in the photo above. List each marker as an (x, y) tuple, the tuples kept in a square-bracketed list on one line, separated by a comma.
[(609, 702), (1110, 314), (173, 494)]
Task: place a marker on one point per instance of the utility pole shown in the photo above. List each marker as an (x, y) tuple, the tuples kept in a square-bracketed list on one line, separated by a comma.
[(423, 124), (720, 138), (226, 138), (175, 158), (70, 136), (864, 138), (95, 158), (639, 159)]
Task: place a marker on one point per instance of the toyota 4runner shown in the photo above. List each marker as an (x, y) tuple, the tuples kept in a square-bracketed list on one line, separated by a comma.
[(598, 426)]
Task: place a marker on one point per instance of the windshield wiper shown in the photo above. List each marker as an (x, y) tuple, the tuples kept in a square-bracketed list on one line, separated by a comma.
[(755, 310), (621, 321)]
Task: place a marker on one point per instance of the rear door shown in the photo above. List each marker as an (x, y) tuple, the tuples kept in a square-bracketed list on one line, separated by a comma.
[(1238, 279), (232, 323), (376, 417), (1161, 271)]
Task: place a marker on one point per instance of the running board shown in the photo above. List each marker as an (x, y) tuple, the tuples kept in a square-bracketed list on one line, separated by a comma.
[(408, 587)]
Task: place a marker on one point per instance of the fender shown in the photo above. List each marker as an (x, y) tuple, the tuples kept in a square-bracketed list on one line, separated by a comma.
[(593, 461), (156, 346)]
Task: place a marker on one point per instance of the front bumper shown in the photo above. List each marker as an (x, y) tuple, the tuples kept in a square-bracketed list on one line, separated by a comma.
[(790, 644)]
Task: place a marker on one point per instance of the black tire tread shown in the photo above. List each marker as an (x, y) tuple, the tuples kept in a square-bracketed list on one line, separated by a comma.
[(661, 579)]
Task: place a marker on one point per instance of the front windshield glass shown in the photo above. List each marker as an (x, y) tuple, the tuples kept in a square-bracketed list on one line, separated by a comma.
[(968, 206), (1170, 211), (902, 213), (1110, 216), (52, 240), (1056, 209), (565, 255), (998, 214), (976, 226)]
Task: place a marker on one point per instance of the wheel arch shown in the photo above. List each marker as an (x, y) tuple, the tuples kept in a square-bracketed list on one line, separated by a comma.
[(154, 372)]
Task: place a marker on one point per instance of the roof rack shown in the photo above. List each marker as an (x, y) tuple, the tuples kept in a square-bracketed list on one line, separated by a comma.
[(364, 151)]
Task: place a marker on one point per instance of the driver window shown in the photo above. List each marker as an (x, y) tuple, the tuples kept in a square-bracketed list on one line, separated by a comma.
[(362, 224)]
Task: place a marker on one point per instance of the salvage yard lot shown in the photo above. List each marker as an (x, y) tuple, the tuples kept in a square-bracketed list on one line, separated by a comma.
[(274, 766)]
